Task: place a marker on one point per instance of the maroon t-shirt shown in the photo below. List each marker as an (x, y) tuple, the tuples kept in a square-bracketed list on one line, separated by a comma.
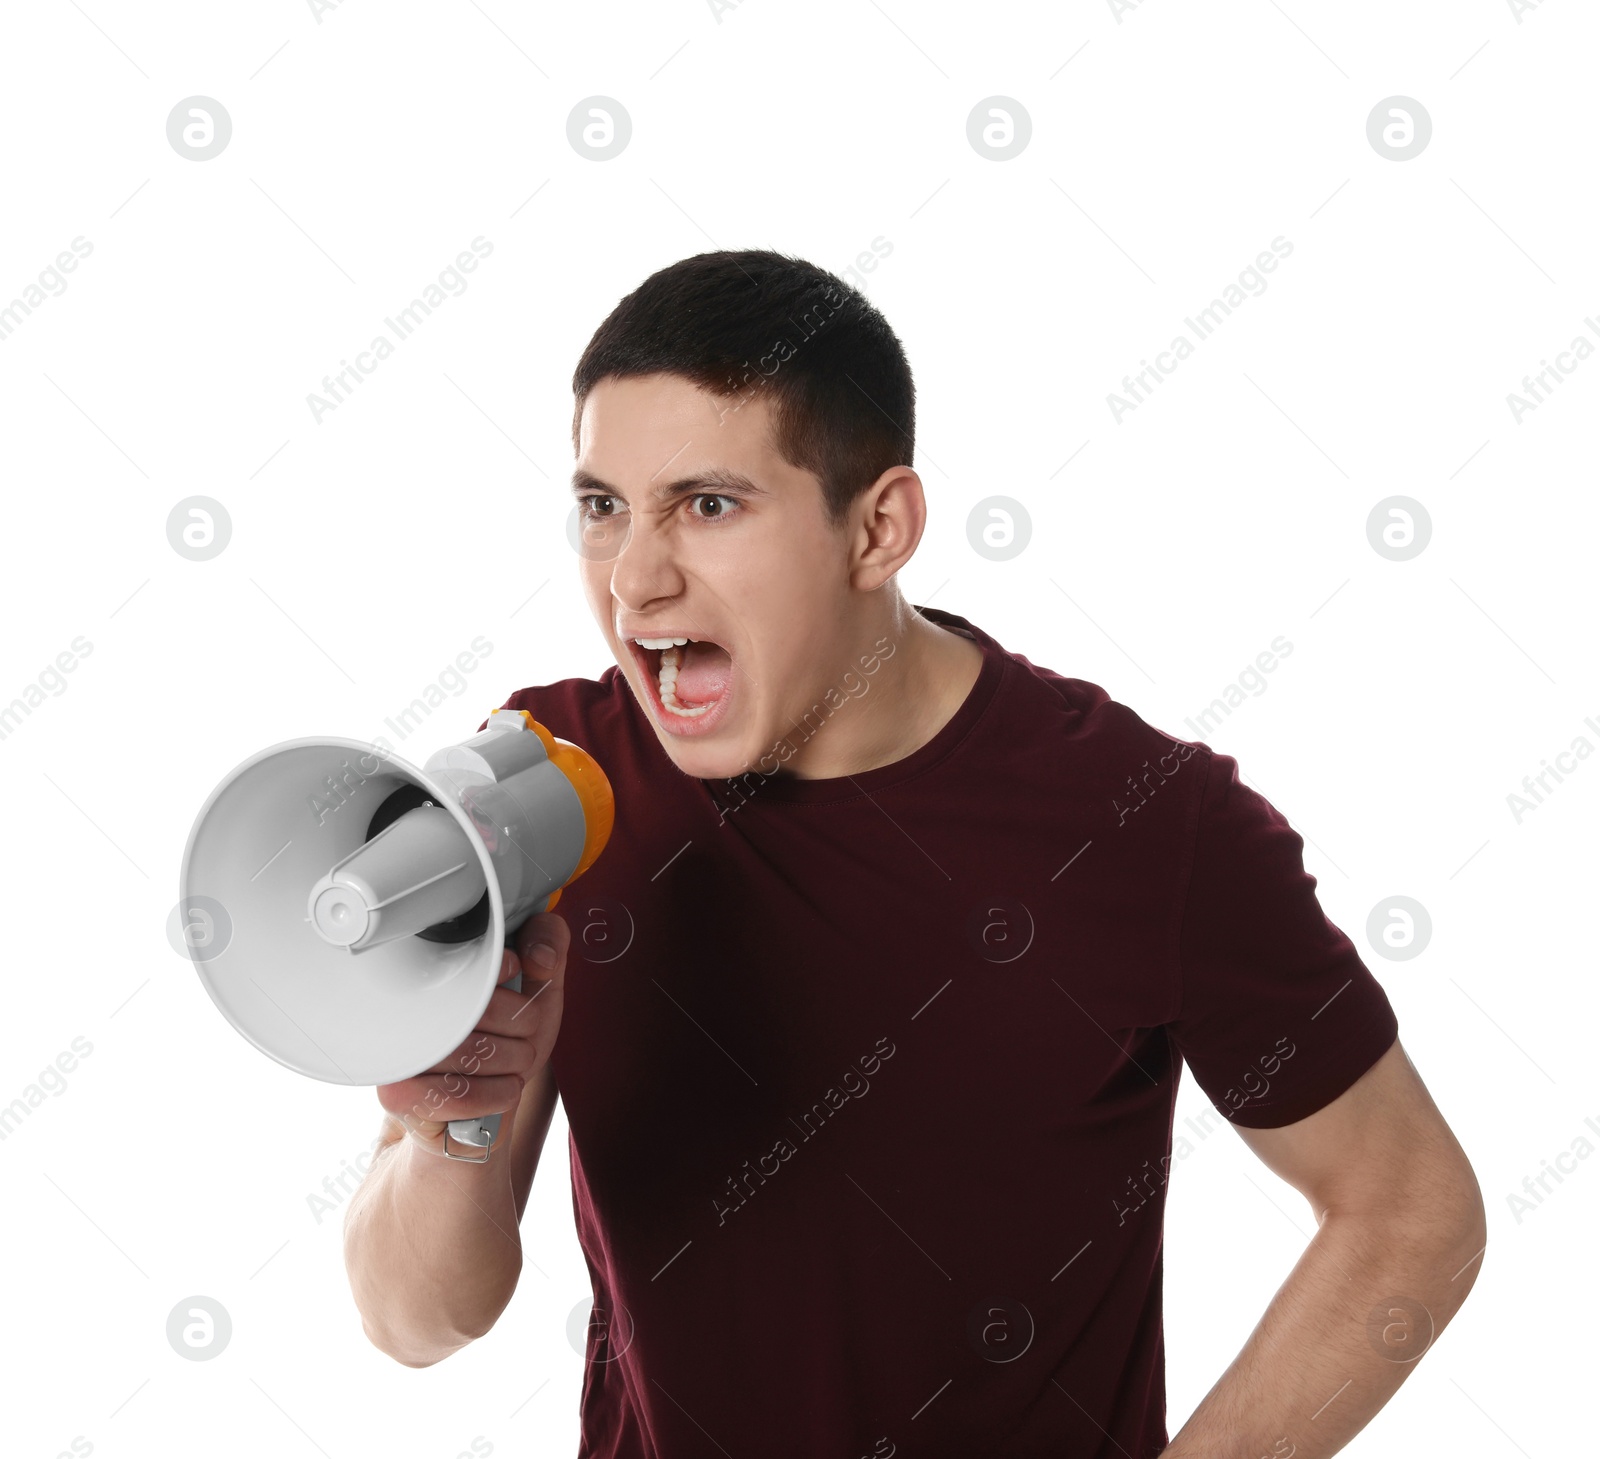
[(870, 1080)]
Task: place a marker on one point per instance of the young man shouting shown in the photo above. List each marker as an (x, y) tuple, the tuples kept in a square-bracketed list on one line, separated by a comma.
[(884, 983)]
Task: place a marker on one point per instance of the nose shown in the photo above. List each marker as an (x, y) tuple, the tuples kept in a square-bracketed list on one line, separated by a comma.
[(644, 569)]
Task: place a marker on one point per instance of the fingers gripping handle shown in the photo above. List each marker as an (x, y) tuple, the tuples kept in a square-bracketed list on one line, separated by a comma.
[(480, 1132)]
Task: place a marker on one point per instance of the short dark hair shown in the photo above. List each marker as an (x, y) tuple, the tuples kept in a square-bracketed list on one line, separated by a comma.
[(844, 406)]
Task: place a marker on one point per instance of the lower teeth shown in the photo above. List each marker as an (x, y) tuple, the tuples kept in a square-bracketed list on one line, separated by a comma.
[(669, 700), (668, 692)]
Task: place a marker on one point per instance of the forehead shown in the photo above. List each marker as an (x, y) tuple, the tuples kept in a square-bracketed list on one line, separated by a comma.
[(640, 430)]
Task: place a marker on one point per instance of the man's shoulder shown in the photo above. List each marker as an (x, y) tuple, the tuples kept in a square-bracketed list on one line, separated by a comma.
[(1086, 712)]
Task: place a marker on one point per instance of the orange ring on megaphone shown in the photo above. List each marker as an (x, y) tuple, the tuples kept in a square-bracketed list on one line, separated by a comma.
[(593, 791)]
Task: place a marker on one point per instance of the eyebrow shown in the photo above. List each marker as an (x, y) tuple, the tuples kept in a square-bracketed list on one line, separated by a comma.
[(713, 479)]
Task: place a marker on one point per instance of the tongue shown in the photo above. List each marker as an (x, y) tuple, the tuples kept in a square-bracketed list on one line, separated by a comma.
[(703, 673)]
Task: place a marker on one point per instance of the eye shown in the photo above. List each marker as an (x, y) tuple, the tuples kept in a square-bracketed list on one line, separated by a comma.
[(707, 496), (588, 510)]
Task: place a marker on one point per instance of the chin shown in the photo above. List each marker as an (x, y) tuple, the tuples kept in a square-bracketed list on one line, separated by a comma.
[(704, 762)]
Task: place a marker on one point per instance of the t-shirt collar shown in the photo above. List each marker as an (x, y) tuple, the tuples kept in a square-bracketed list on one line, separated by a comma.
[(793, 788)]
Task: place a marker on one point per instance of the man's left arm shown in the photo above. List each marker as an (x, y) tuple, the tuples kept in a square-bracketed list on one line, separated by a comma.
[(1400, 1235)]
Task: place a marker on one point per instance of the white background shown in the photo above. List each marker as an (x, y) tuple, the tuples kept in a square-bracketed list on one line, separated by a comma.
[(1169, 147)]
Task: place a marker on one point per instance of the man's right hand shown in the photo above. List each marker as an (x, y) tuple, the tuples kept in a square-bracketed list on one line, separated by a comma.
[(511, 1044)]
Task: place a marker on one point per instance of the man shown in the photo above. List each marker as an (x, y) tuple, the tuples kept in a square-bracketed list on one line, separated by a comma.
[(871, 1043)]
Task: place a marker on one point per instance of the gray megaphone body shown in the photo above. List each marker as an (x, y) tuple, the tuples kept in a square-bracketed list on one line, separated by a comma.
[(348, 912)]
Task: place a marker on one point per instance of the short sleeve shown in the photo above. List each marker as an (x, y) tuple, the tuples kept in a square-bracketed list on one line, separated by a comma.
[(1277, 1014)]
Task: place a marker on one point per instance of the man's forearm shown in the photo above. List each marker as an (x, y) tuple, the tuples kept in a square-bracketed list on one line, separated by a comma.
[(432, 1249), (1365, 1300)]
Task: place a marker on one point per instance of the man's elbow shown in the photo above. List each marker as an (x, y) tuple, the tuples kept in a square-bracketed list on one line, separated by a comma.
[(1465, 1223), (1430, 1227), (417, 1349)]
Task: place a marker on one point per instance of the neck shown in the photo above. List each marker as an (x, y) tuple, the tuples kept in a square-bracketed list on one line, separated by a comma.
[(919, 683)]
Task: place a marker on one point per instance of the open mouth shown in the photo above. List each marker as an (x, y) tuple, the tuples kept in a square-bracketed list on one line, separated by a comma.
[(691, 679)]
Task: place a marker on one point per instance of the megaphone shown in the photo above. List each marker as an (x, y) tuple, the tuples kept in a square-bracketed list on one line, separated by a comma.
[(353, 909)]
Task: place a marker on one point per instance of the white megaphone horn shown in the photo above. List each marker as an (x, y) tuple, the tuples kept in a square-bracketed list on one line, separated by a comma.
[(348, 912)]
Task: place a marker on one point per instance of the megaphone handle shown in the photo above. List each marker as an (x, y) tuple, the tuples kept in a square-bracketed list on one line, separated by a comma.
[(481, 1131)]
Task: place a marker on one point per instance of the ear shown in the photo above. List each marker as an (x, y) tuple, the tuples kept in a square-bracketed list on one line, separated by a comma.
[(885, 526)]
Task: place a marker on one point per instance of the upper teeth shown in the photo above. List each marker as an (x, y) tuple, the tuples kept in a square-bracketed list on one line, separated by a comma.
[(660, 642)]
